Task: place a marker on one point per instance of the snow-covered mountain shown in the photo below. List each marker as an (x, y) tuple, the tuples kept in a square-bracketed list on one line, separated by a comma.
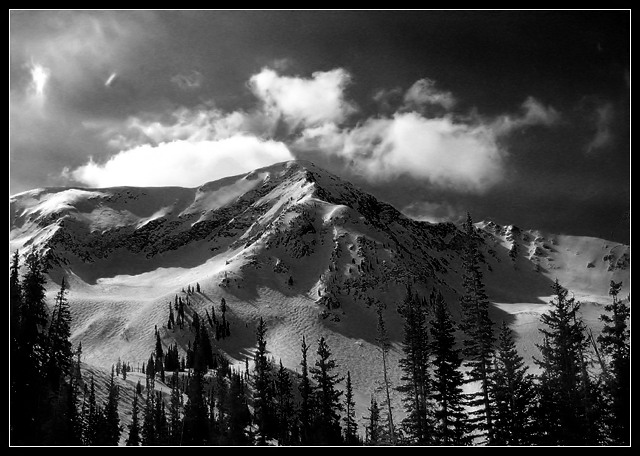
[(292, 244)]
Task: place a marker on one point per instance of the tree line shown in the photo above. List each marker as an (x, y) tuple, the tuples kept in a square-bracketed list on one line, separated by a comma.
[(477, 392)]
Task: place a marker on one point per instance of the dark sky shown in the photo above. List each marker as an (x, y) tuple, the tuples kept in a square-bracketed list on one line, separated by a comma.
[(521, 117)]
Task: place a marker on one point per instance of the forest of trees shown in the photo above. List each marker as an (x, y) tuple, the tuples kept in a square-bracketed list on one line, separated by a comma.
[(581, 395)]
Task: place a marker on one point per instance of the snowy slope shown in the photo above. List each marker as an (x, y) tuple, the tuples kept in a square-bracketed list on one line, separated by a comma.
[(127, 252)]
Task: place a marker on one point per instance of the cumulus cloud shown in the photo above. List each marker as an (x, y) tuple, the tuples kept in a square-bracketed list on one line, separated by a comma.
[(603, 136), (182, 163), (191, 146), (304, 101), (458, 153), (447, 154)]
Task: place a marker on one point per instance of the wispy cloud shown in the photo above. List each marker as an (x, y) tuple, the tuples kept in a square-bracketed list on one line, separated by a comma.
[(434, 212), (603, 136), (424, 93), (188, 81)]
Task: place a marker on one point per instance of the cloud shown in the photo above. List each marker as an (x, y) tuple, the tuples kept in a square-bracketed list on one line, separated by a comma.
[(460, 153), (533, 113), (445, 153), (424, 93), (39, 77), (202, 123), (182, 163), (308, 102), (111, 79), (433, 212), (188, 81), (603, 136)]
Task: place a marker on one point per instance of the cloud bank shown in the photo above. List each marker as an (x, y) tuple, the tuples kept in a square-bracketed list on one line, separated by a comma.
[(422, 139)]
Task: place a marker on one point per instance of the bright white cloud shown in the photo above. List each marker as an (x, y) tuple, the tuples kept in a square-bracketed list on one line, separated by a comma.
[(462, 154), (182, 163), (301, 101), (445, 153), (424, 92)]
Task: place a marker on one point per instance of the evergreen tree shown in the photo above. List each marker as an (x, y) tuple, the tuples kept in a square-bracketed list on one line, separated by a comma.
[(94, 431), (479, 341), (263, 394), (195, 412), (73, 418), (159, 351), (565, 386), (134, 427), (60, 350), (449, 415), (34, 315), (328, 396), (239, 414), (113, 428), (350, 425), (305, 410), (382, 340), (373, 428), (284, 405), (414, 364), (514, 393), (171, 323), (148, 423), (160, 421), (175, 423), (614, 342)]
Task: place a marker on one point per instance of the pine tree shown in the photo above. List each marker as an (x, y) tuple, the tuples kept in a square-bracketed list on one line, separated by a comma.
[(350, 425), (113, 428), (382, 340), (327, 395), (239, 414), (284, 405), (414, 364), (195, 412), (148, 423), (449, 415), (175, 423), (60, 350), (34, 315), (263, 394), (160, 421), (565, 388), (134, 427), (614, 342), (479, 341), (373, 428), (305, 410), (95, 419), (514, 393), (171, 323), (159, 351)]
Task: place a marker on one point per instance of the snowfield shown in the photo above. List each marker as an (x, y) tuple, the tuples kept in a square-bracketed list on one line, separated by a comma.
[(127, 252)]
